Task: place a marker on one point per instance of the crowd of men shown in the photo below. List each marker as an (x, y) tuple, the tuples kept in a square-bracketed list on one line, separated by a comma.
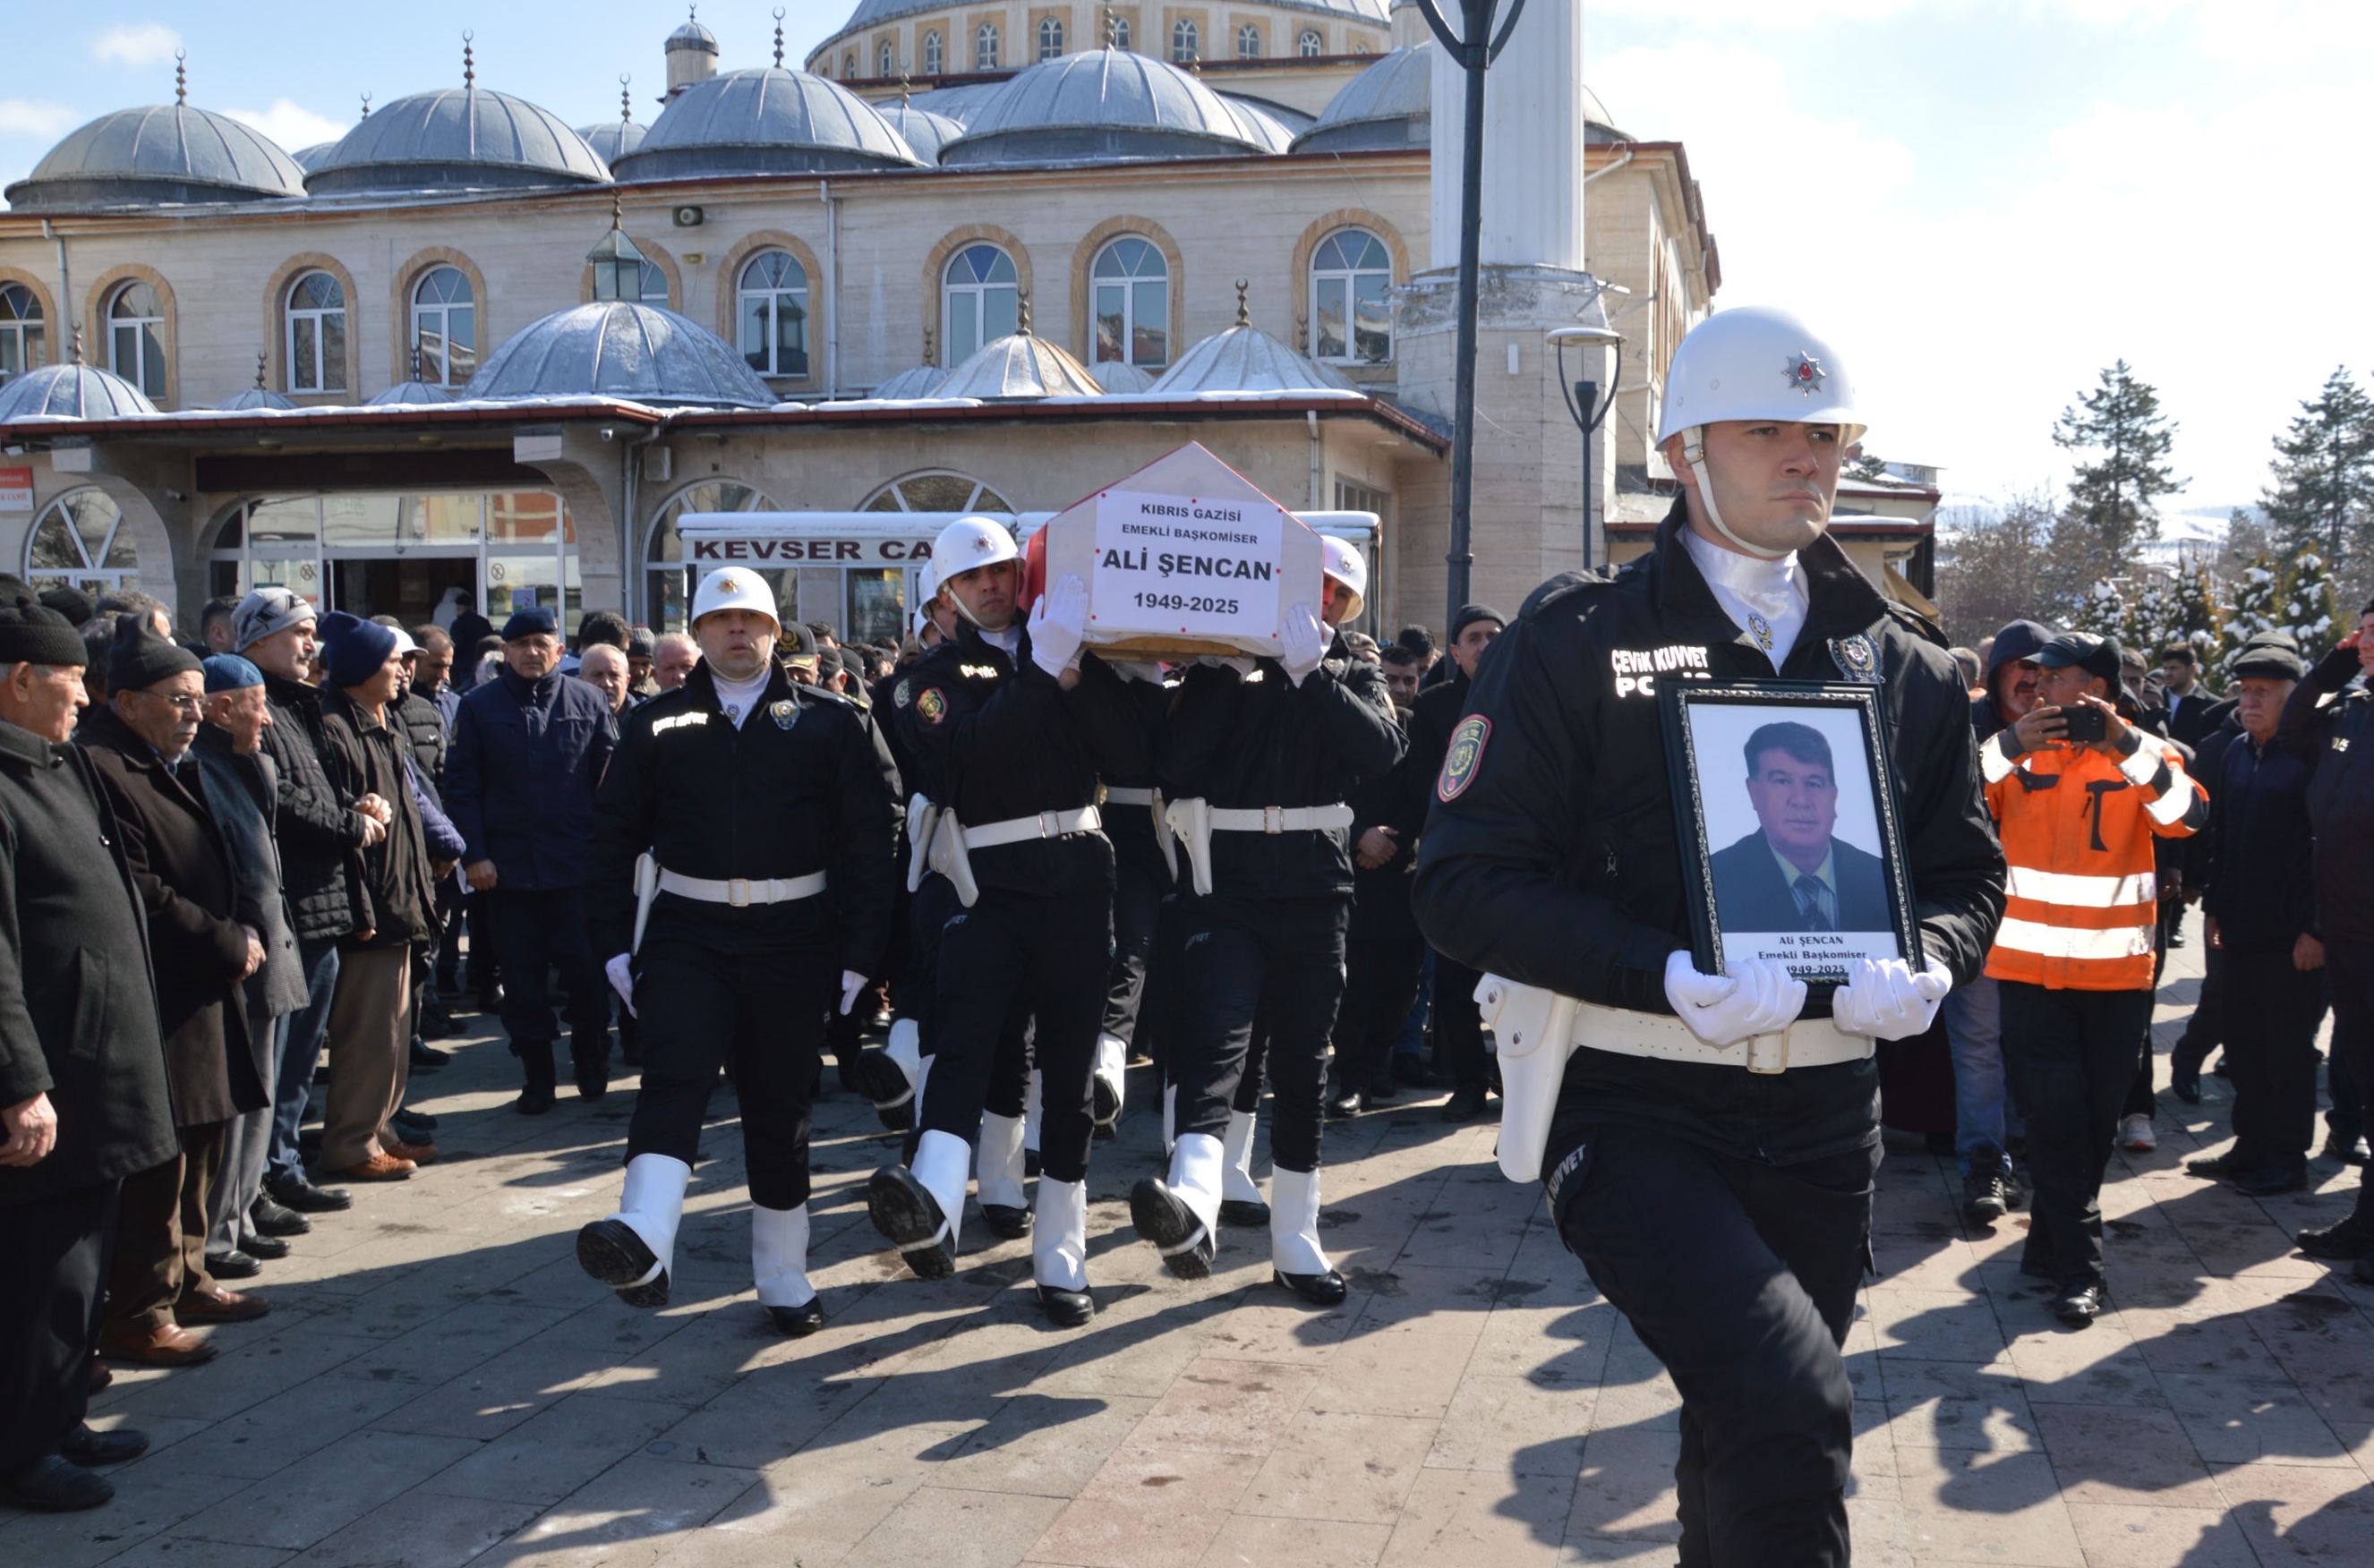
[(248, 868)]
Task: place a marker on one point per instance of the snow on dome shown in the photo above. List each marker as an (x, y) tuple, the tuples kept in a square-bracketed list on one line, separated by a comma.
[(765, 121), (1246, 359), (250, 398), (467, 137), (613, 348), (922, 380), (1103, 105), (71, 391), (408, 395), (169, 154), (1116, 377), (1020, 366)]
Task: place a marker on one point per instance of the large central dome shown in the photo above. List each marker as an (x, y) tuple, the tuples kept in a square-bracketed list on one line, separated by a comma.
[(1101, 106), (764, 121), (466, 136)]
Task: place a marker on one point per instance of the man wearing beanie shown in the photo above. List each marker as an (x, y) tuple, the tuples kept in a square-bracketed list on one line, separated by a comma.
[(1458, 1025), (204, 940), (83, 1099), (371, 1017)]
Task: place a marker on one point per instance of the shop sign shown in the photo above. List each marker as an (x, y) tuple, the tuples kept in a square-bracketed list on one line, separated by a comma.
[(15, 489), (807, 552)]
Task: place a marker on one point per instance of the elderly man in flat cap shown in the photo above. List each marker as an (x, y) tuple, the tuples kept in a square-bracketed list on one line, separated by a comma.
[(83, 1099)]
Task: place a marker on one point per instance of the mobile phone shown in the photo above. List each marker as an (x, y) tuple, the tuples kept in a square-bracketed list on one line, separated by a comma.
[(2085, 723)]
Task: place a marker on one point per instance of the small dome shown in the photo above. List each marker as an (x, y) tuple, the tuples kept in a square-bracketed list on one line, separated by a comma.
[(408, 393), (1116, 377), (1246, 359), (765, 121), (310, 158), (956, 103), (1388, 105), (923, 380), (921, 129), (70, 391), (1100, 106), (692, 35), (1019, 367), (173, 153), (614, 139), (465, 136), (1260, 125), (253, 397), (636, 352)]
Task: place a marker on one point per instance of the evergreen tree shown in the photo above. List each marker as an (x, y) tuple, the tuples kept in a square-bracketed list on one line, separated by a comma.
[(2195, 615), (2151, 619), (2322, 494), (2112, 495), (2102, 610), (2258, 598), (2310, 611), (1867, 465)]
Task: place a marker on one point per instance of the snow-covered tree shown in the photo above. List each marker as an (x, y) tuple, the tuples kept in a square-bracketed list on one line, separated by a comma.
[(2102, 611), (2309, 609), (2195, 615), (2258, 605), (2151, 618)]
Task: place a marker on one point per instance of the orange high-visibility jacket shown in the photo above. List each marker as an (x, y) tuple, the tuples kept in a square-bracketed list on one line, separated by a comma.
[(2078, 828)]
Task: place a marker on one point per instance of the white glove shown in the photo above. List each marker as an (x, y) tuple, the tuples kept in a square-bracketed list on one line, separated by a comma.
[(622, 980), (1753, 996), (1303, 642), (851, 982), (1886, 1000), (1059, 624)]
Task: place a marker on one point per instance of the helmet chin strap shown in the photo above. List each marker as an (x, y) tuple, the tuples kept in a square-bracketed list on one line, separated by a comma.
[(1693, 453)]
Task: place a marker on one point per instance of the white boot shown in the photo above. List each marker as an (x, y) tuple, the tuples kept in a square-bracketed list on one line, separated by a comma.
[(1034, 1111), (1294, 1251), (778, 1262), (1178, 1216), (901, 1200), (1111, 1082), (1059, 1251), (998, 1174), (905, 1047), (1169, 1119), (651, 1207), (1240, 1197)]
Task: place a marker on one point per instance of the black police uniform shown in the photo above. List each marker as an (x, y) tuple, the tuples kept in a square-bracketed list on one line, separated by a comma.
[(1458, 1026), (1726, 1215), (1383, 956), (803, 786), (1142, 878), (1270, 936)]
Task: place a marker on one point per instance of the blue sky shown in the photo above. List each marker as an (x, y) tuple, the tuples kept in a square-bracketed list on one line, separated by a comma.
[(1980, 204)]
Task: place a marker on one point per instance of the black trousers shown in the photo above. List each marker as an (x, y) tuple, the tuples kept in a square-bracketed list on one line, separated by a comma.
[(1157, 1011), (2070, 1056), (2271, 1013), (1379, 983), (709, 997), (934, 904), (2204, 1032), (1046, 957), (537, 932), (1740, 1277), (1137, 909), (1280, 961), (1459, 1025), (2349, 972), (50, 1298)]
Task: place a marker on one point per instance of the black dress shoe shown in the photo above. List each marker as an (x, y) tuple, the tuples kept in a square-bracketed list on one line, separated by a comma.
[(910, 1217), (2268, 1181), (798, 1322), (535, 1100), (2184, 1082), (2225, 1068), (2234, 1161), (1244, 1213), (233, 1265), (2343, 1241), (1409, 1068), (426, 1059), (1066, 1309), (593, 1086), (1343, 1104), (1319, 1290), (2078, 1304), (2349, 1152), (273, 1218), (1104, 1107), (91, 1449), (1005, 1222), (1466, 1102), (1172, 1226), (1986, 1197), (611, 1252), (264, 1248), (420, 1119), (880, 1081), (297, 1194), (436, 1024), (56, 1485)]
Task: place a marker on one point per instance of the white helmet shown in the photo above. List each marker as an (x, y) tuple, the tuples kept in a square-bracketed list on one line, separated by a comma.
[(968, 543), (735, 588), (1753, 363), (1341, 559)]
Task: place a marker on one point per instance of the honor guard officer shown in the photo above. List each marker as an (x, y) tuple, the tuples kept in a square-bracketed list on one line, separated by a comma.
[(743, 864), (1714, 1142), (1015, 724), (1259, 754)]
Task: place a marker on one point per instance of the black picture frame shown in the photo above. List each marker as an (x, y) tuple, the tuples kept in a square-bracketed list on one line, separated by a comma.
[(1688, 710)]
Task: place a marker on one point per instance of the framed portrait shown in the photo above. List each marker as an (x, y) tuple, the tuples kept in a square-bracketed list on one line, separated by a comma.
[(1786, 803)]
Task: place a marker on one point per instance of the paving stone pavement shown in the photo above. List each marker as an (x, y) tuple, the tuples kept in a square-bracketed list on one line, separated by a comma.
[(438, 1384)]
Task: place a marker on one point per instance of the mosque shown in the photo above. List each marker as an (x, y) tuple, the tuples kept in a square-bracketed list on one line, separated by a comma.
[(963, 258)]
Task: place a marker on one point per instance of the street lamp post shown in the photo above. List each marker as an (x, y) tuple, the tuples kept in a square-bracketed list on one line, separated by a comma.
[(1584, 404), (1470, 48)]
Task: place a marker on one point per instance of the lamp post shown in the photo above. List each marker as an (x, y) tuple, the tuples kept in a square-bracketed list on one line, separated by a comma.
[(1584, 404), (1470, 48)]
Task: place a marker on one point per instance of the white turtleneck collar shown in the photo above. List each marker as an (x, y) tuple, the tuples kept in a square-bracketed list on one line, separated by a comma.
[(1765, 598), (740, 699), (1008, 642)]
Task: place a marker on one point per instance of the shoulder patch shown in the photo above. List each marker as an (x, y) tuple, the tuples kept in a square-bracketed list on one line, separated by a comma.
[(899, 694), (931, 706), (1463, 757)]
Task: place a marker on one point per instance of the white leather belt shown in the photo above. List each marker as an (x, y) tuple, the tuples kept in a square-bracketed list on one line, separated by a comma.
[(1129, 795), (1809, 1042), (1016, 830), (742, 892), (1279, 819)]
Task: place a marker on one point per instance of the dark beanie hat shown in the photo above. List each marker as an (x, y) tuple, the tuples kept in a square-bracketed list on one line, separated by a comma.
[(1471, 613), (229, 673), (72, 602), (353, 649), (137, 658), (535, 620), (31, 634), (2021, 639)]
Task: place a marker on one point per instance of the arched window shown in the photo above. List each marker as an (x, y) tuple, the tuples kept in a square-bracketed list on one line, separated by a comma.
[(1133, 299), (1310, 44), (21, 344), (78, 542), (1182, 42), (773, 292), (1351, 315), (984, 48), (935, 493), (1121, 32), (887, 60), (977, 300), (317, 334), (135, 337), (445, 327), (932, 53), (663, 606), (1050, 38), (1249, 42)]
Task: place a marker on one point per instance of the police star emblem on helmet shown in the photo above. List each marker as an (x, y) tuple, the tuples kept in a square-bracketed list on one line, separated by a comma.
[(1805, 373)]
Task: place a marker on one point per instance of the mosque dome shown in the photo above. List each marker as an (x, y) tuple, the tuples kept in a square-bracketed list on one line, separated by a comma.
[(1116, 377), (169, 154), (1390, 105), (1246, 360), (1260, 124), (614, 139), (71, 391), (460, 136), (920, 381), (692, 36), (765, 121), (613, 348), (921, 129), (310, 158), (958, 103), (1100, 106), (1020, 366), (249, 398), (408, 395)]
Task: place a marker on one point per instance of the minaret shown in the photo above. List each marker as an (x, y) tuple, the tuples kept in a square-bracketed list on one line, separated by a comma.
[(692, 57)]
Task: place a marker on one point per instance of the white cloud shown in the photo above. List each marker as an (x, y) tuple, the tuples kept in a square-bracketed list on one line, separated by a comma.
[(291, 124), (135, 43), (30, 117)]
